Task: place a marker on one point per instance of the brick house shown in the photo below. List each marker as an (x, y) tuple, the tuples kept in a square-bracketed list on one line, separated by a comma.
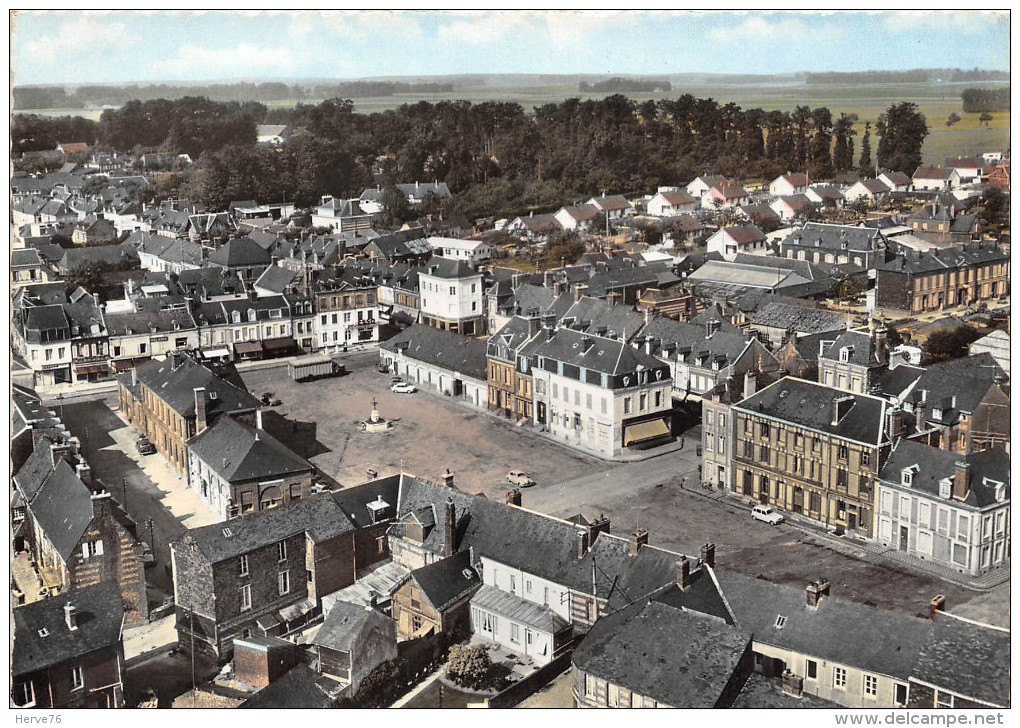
[(68, 652), (170, 401), (265, 573), (435, 599), (77, 537), (352, 642)]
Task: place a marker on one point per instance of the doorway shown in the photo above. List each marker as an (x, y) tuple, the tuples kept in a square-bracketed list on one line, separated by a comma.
[(904, 534)]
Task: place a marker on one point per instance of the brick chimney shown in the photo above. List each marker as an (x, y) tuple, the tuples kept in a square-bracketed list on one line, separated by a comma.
[(449, 527), (961, 480), (708, 554), (513, 497), (599, 525), (919, 416), (580, 290), (815, 591), (201, 423), (793, 684), (582, 544), (895, 422), (84, 472), (134, 376), (937, 604), (448, 478), (638, 539), (71, 616), (683, 573)]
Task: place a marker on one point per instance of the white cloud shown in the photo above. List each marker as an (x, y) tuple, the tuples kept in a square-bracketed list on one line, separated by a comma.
[(81, 35), (571, 29), (958, 22), (244, 59), (355, 26), (483, 28), (763, 30)]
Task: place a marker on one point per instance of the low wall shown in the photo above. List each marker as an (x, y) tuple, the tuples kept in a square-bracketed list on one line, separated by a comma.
[(532, 683)]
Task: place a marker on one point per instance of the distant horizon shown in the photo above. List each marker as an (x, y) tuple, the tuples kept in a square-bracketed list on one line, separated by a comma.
[(75, 48)]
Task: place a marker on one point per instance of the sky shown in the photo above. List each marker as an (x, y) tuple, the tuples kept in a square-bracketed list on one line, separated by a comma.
[(54, 47)]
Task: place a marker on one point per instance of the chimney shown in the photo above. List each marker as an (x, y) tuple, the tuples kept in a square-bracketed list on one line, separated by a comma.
[(200, 418), (708, 554), (599, 525), (638, 539), (84, 472), (961, 480), (258, 421), (71, 616), (448, 478), (134, 377), (582, 544), (513, 497), (449, 527), (586, 343), (615, 298), (750, 384), (579, 291), (534, 325), (711, 327), (840, 407), (815, 591), (881, 343), (895, 422), (937, 604), (547, 279), (683, 573), (549, 333), (919, 416), (650, 345)]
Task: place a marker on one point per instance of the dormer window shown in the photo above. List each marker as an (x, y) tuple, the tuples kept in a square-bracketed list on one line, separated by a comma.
[(945, 488), (235, 317), (251, 314), (907, 475)]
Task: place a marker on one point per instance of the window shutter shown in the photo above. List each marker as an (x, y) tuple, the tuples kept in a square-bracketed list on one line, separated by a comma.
[(84, 550), (99, 548)]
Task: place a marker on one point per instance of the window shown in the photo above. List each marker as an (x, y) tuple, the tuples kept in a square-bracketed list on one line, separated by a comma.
[(415, 623), (283, 582), (589, 686), (764, 429), (943, 699), (780, 621), (901, 694), (488, 622), (513, 584), (841, 478), (838, 677), (722, 420), (77, 678), (515, 633), (721, 448), (91, 548), (865, 458), (842, 452), (763, 453), (281, 550), (24, 694), (116, 352), (141, 348), (627, 404), (871, 685), (244, 565), (246, 597), (812, 670)]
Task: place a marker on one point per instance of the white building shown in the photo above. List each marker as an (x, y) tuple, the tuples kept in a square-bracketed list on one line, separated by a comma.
[(789, 184), (597, 394), (452, 297), (439, 361), (730, 241), (471, 252), (946, 508), (997, 345), (672, 202)]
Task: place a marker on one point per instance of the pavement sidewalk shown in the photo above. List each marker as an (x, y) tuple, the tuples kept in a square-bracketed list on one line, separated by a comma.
[(140, 641)]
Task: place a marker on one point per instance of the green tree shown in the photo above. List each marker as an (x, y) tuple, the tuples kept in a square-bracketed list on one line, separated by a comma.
[(563, 248), (985, 118), (953, 119), (994, 211), (842, 150), (468, 666), (951, 344), (902, 130), (864, 165), (396, 209)]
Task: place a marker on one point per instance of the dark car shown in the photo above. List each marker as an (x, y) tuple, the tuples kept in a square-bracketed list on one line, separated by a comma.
[(144, 447)]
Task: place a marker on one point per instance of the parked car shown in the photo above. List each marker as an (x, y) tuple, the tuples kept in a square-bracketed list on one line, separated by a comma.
[(403, 388), (144, 447), (396, 380), (516, 477), (767, 514), (148, 558)]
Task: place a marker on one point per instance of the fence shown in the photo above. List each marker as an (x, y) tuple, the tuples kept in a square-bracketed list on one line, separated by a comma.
[(529, 685)]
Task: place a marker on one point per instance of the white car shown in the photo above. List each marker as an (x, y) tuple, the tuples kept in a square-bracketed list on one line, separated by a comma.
[(767, 514), (518, 478), (403, 388)]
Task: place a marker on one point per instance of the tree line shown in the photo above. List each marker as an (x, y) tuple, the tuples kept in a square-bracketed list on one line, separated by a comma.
[(618, 85), (497, 158), (985, 99)]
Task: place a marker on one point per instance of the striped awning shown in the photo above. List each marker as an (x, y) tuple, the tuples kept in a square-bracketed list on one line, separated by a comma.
[(644, 431)]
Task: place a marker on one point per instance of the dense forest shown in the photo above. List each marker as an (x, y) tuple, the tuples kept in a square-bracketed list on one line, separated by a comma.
[(977, 100), (624, 86), (83, 97), (495, 157)]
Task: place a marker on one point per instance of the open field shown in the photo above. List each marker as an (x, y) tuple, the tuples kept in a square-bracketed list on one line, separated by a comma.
[(935, 100)]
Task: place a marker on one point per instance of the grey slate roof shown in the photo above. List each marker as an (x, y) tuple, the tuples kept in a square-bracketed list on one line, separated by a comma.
[(354, 500), (100, 617), (520, 610), (873, 640), (679, 658), (957, 385), (761, 693), (442, 348), (810, 405), (276, 278), (440, 267), (966, 659), (987, 468), (319, 516), (601, 354), (344, 625), (35, 470), (63, 509), (445, 581), (862, 352), (692, 340), (802, 319), (125, 324), (618, 320), (238, 453), (171, 250), (176, 386), (25, 258), (950, 258), (240, 252), (834, 237), (301, 688)]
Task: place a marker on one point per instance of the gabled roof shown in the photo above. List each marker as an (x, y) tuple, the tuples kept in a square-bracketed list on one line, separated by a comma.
[(448, 580), (277, 278), (988, 469), (860, 349), (319, 517), (581, 212), (745, 234), (677, 657), (811, 405), (175, 382), (240, 252), (776, 314), (461, 354), (100, 617), (239, 453), (301, 688), (837, 630), (924, 172), (966, 659), (345, 626), (63, 509), (611, 202), (594, 353), (796, 179), (834, 237)]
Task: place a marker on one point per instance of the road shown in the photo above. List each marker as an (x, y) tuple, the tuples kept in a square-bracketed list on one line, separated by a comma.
[(93, 422)]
